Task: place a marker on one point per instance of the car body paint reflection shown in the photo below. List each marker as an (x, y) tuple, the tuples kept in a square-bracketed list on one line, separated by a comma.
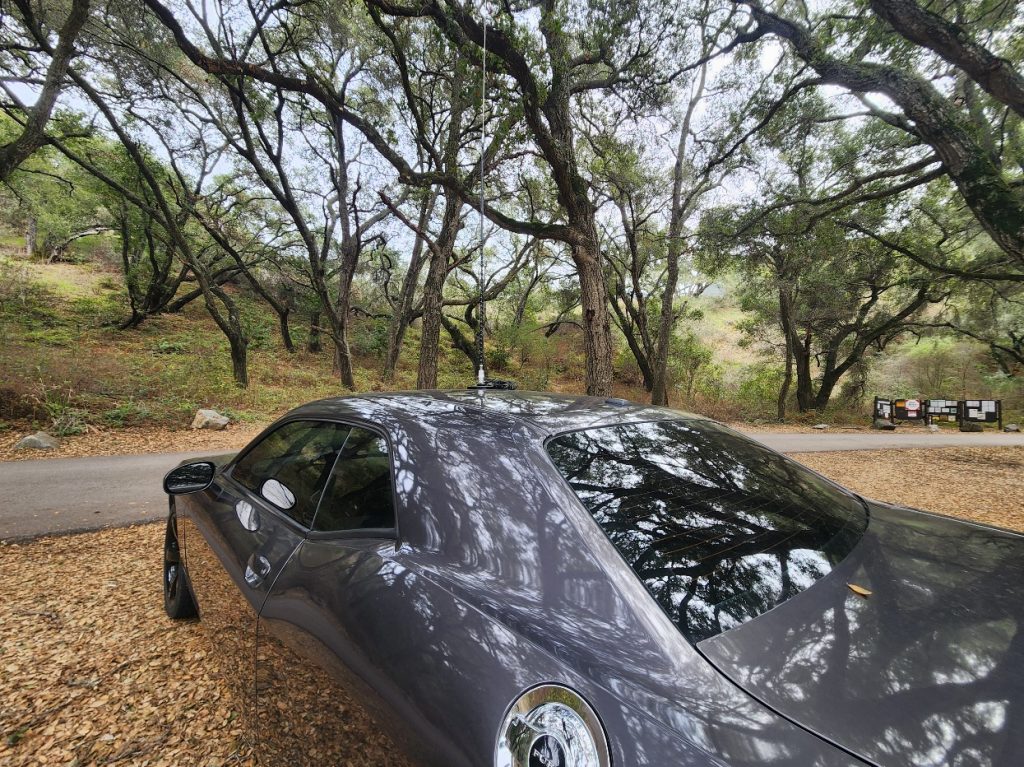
[(927, 671), (498, 580)]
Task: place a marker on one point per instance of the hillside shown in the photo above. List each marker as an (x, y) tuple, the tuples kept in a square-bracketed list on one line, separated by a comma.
[(66, 367)]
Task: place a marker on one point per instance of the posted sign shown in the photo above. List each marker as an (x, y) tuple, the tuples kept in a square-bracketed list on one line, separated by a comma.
[(883, 408), (981, 410), (908, 410), (941, 408)]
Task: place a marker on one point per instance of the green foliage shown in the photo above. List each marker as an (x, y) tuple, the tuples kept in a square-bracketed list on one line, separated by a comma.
[(168, 346), (65, 418), (369, 338), (692, 367), (128, 413), (758, 389)]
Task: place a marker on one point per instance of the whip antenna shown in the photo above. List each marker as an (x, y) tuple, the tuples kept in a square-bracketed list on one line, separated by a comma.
[(481, 318), (482, 381)]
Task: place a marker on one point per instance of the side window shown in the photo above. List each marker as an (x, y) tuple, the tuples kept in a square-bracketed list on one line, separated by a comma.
[(358, 495), (289, 467)]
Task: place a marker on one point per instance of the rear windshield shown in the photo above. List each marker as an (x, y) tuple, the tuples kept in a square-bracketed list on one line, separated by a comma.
[(718, 528)]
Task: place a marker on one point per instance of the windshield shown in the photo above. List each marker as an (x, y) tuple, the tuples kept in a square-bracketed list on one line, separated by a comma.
[(719, 528)]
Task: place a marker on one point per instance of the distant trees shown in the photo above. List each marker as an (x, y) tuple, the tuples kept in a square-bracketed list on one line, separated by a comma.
[(834, 297), (37, 47), (972, 128), (326, 157), (993, 315)]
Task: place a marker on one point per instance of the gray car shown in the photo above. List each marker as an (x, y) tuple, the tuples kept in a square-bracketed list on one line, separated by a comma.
[(532, 580)]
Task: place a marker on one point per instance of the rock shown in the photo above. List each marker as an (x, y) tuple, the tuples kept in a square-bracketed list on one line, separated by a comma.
[(38, 441), (934, 428), (883, 425), (1011, 427), (820, 426), (970, 426), (210, 419)]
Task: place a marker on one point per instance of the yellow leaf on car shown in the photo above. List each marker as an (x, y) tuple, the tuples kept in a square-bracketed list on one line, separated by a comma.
[(859, 590)]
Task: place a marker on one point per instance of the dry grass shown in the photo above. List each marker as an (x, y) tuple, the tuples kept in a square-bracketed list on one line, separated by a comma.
[(93, 673)]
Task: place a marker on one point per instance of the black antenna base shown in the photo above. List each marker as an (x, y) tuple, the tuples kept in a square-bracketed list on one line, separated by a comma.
[(494, 383)]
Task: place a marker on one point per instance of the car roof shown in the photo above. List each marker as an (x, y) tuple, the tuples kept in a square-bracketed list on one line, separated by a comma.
[(546, 412)]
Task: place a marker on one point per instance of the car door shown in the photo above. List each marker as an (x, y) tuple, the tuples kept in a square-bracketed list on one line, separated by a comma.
[(248, 524), (314, 702)]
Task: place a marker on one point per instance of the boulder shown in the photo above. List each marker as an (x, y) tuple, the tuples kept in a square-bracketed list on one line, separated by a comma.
[(883, 425), (971, 426), (820, 426), (934, 428), (38, 441), (210, 419), (1011, 427)]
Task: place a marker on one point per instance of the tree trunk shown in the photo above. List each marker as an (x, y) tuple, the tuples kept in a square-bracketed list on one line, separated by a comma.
[(339, 322), (639, 353), (343, 357), (430, 330), (659, 384), (804, 377), (31, 233), (313, 343), (459, 340), (787, 380), (286, 333), (597, 333), (788, 333), (399, 322), (239, 362), (231, 326), (339, 313), (659, 392), (433, 291), (33, 129), (825, 389)]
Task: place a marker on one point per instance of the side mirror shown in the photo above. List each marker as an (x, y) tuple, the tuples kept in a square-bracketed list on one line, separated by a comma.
[(190, 478)]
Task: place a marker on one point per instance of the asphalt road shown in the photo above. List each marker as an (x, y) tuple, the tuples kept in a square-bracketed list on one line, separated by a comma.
[(62, 495)]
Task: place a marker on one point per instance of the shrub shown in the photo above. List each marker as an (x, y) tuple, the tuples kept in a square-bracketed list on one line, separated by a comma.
[(369, 338), (126, 414), (65, 418), (758, 389), (163, 346)]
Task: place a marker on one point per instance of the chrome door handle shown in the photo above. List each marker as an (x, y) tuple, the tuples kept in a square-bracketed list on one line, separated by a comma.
[(256, 569)]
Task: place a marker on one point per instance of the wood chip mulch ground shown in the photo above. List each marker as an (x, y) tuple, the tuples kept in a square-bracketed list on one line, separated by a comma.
[(983, 484), (93, 673)]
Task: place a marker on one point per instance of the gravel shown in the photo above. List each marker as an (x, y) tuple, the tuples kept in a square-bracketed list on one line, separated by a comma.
[(94, 673)]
